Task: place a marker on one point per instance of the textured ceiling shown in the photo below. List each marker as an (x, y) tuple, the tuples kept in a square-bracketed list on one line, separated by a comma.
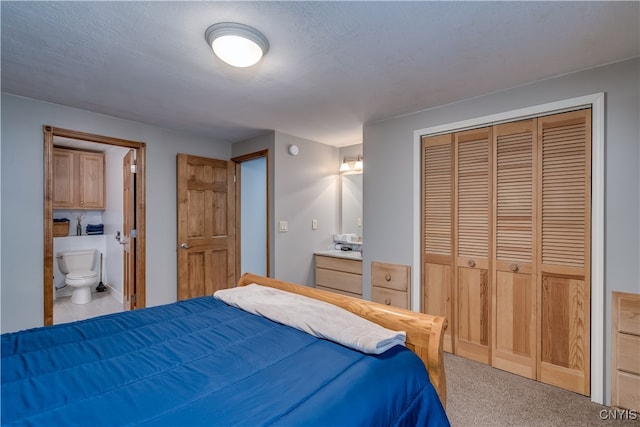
[(332, 67)]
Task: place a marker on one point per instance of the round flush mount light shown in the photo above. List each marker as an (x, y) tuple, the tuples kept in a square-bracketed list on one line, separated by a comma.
[(293, 150), (236, 44)]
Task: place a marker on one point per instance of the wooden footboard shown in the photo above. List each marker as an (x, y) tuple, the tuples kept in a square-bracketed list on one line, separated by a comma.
[(425, 333)]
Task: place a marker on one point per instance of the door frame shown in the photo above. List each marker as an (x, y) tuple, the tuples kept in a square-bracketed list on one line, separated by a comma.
[(597, 103), (238, 160), (140, 250)]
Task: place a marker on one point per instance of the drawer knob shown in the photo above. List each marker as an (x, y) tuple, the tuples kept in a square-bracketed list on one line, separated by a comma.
[(387, 301), (471, 263), (387, 277), (514, 267)]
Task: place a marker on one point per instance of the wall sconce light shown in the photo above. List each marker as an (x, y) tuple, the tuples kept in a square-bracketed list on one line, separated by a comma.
[(237, 44), (352, 165)]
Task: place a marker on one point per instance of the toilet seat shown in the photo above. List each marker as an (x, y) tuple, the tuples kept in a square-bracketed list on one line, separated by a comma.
[(82, 275), (81, 281)]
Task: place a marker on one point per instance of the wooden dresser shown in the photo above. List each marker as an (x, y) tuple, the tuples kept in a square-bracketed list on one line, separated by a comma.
[(390, 284), (625, 351), (340, 275)]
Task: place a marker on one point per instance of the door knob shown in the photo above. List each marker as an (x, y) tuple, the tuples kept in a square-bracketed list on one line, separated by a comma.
[(514, 267), (471, 263), (185, 246)]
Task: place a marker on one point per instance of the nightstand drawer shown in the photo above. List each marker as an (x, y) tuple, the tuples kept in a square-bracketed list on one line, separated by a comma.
[(390, 297), (392, 276)]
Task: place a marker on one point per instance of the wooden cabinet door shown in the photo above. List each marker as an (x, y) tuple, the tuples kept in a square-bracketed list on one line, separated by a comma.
[(437, 231), (91, 180), (473, 231), (564, 194), (63, 178), (514, 291)]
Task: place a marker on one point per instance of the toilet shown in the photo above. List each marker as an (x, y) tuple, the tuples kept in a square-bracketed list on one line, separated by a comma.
[(78, 269)]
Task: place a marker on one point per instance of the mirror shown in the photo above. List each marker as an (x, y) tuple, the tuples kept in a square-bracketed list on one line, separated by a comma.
[(351, 204)]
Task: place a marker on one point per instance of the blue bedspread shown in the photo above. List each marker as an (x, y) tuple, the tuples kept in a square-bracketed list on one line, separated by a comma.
[(201, 362)]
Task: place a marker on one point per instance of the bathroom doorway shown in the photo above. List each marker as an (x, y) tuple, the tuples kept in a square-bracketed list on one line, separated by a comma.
[(252, 211), (130, 262)]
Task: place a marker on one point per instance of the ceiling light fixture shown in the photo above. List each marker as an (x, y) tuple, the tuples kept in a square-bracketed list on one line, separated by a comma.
[(237, 44)]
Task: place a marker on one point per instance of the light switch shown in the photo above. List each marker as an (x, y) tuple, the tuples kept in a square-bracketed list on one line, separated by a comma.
[(284, 226), (314, 224)]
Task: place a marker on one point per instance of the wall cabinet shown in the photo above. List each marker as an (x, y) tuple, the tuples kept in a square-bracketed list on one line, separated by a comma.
[(340, 275), (505, 244), (390, 284), (78, 179)]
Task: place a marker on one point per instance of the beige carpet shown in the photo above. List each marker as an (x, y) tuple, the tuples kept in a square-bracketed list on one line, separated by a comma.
[(479, 395)]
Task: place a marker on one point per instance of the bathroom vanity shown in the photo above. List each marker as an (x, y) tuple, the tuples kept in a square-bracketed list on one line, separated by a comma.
[(339, 271)]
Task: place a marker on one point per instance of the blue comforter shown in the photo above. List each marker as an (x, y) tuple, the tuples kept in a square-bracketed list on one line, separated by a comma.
[(201, 362)]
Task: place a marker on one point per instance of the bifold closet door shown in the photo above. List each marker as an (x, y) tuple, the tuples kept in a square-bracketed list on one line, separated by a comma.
[(473, 230), (514, 285), (437, 232), (564, 224)]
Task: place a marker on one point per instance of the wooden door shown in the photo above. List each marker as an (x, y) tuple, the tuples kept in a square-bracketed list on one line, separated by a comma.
[(437, 231), (514, 286), (63, 178), (129, 224), (206, 225), (564, 192), (472, 215), (91, 180)]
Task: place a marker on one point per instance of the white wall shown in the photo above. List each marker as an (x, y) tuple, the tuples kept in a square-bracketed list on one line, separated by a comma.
[(21, 270), (389, 179), (304, 187)]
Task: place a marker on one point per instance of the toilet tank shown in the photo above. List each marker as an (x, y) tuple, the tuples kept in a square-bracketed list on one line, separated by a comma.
[(76, 260)]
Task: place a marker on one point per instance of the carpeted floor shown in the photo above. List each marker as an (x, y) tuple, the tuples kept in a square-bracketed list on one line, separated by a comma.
[(479, 395)]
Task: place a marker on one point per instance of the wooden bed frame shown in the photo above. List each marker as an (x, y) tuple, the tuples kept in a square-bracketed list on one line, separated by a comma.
[(425, 333)]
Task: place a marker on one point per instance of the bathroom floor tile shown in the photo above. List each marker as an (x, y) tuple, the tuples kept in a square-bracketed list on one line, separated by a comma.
[(65, 311)]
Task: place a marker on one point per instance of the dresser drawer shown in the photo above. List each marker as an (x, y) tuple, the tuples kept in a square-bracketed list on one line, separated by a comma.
[(629, 314), (626, 392), (390, 297), (628, 355), (338, 291), (625, 350), (392, 276), (339, 264), (339, 280)]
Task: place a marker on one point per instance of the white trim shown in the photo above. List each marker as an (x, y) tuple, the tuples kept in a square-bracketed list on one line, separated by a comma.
[(597, 103)]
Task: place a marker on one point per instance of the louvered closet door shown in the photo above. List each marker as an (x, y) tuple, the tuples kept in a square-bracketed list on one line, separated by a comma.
[(437, 231), (514, 292), (564, 191), (473, 213)]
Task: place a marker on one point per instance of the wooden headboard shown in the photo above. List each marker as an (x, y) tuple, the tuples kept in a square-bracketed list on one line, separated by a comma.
[(425, 333)]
